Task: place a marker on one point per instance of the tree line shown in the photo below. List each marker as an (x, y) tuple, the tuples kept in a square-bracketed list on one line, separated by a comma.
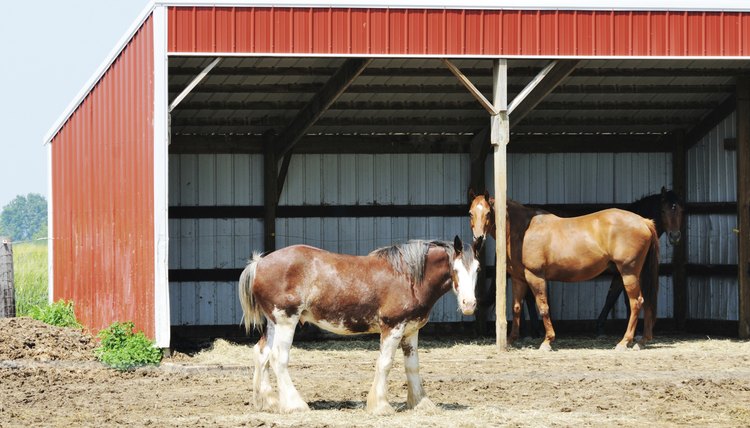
[(24, 218)]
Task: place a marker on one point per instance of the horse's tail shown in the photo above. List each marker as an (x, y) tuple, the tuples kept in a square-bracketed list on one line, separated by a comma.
[(251, 312), (650, 273)]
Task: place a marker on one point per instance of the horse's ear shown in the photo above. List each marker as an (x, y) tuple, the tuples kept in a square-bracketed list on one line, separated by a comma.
[(458, 246), (487, 195), (472, 195), (663, 190)]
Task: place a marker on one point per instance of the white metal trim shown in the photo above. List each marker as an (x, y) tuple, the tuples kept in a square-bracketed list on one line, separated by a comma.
[(83, 93), (613, 5), (439, 56), (50, 230), (161, 165)]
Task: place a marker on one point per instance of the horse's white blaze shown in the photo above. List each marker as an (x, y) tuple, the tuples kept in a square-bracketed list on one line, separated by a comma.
[(478, 229), (466, 280)]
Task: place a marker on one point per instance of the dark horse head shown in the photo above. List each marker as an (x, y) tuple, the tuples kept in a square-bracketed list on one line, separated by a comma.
[(671, 215)]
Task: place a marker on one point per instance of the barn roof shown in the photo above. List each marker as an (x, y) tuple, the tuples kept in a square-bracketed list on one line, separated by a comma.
[(246, 96)]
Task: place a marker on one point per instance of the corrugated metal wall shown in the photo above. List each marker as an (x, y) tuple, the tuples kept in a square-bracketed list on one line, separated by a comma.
[(103, 192), (712, 177), (366, 31), (384, 179), (208, 180), (571, 178)]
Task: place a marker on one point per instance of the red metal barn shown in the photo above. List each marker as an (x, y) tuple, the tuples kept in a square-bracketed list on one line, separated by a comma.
[(217, 129)]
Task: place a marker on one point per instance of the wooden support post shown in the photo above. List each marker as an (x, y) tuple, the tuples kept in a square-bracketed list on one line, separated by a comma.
[(499, 138), (743, 203), (270, 195), (679, 256), (7, 290)]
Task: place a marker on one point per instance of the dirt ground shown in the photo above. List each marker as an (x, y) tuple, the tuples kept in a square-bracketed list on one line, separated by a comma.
[(48, 377)]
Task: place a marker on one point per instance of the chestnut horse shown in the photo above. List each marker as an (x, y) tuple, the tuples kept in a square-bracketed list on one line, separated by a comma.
[(541, 246), (667, 210), (390, 291)]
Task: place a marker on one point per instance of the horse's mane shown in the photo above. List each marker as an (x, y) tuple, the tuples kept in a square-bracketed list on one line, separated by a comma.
[(409, 258)]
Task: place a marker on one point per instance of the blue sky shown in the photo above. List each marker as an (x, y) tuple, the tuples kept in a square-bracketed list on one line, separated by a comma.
[(49, 50)]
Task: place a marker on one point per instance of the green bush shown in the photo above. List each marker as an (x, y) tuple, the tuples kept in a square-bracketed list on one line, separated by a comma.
[(123, 349), (60, 313), (30, 276)]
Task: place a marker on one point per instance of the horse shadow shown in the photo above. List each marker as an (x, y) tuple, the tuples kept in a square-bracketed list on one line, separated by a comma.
[(360, 405)]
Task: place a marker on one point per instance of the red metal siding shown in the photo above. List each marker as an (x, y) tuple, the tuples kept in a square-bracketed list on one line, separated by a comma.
[(102, 193), (340, 31)]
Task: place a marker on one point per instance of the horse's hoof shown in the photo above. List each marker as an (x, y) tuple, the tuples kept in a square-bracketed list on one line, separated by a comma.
[(426, 406), (301, 406), (381, 410), (620, 347), (636, 347), (545, 347)]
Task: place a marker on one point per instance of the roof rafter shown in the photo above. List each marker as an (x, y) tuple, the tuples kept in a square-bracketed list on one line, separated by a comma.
[(545, 82), (320, 102)]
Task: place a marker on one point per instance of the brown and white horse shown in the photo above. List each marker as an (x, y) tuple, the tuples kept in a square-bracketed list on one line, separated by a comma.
[(541, 246), (390, 291)]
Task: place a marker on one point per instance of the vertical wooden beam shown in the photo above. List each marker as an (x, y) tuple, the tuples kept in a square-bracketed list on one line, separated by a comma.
[(499, 138), (270, 195), (743, 203), (679, 256), (7, 290)]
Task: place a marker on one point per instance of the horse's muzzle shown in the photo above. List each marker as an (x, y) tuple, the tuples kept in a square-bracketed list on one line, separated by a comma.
[(674, 237), (467, 308)]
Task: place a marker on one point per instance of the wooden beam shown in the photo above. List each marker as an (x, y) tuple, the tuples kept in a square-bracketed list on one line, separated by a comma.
[(470, 119), (270, 191), (499, 138), (710, 121), (679, 257), (473, 72), (309, 88), (382, 143), (544, 83), (743, 203), (540, 86), (476, 93), (178, 99), (320, 102), (242, 107)]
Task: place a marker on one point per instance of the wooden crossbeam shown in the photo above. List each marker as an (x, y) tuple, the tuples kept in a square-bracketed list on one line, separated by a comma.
[(203, 73), (476, 93), (545, 82), (709, 122), (319, 103)]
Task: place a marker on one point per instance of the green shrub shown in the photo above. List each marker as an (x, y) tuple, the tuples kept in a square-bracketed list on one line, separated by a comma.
[(30, 277), (123, 349), (60, 313)]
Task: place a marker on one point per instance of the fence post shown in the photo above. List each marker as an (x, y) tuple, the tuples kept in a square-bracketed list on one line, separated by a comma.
[(7, 290)]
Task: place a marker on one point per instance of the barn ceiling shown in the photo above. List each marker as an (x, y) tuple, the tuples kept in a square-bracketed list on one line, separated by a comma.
[(242, 98)]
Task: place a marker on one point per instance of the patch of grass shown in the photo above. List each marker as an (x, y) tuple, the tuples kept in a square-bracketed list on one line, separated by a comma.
[(60, 313), (123, 349), (30, 276)]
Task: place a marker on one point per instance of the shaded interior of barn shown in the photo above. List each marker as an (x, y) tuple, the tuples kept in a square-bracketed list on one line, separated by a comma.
[(393, 157)]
